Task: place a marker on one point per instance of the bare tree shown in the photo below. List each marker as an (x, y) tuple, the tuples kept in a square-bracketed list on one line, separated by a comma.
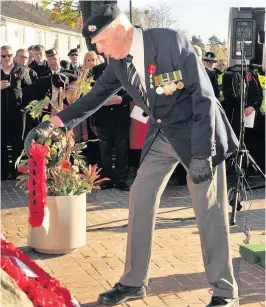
[(161, 15), (158, 16)]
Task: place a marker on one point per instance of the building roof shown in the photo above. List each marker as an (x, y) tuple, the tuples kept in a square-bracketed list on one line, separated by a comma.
[(31, 12)]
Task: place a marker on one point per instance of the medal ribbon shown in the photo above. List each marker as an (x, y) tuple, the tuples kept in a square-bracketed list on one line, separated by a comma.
[(170, 76)]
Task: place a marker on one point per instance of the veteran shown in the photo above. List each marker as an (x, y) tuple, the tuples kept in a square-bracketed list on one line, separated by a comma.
[(160, 70)]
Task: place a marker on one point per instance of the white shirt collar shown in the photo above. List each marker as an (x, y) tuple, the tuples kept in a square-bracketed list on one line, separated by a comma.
[(137, 42), (56, 71)]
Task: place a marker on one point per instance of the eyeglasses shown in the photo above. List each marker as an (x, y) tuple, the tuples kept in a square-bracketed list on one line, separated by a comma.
[(6, 56), (74, 55)]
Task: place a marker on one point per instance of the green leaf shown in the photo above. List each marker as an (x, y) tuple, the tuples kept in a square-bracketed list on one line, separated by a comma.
[(46, 117), (19, 158)]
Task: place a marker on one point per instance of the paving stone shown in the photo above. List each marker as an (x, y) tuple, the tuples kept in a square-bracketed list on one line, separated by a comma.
[(177, 272)]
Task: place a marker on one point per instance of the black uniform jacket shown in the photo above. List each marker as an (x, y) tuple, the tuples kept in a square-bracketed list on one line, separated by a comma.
[(107, 115)]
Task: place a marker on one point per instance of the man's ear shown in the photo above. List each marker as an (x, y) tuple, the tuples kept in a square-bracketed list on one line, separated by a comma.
[(121, 31)]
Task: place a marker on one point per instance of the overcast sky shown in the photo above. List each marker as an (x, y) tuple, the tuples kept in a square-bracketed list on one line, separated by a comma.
[(203, 18)]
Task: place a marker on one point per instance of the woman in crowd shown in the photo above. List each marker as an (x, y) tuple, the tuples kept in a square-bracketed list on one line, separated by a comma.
[(90, 60), (85, 131)]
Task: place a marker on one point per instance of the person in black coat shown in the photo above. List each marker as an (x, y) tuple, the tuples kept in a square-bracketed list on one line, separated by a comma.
[(74, 60), (14, 78), (112, 123), (209, 61), (39, 65), (48, 86), (252, 102)]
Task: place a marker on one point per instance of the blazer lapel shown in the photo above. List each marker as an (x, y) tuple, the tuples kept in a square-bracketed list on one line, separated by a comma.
[(132, 90), (149, 58)]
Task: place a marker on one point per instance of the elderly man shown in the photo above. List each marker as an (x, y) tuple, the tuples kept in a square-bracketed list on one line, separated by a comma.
[(160, 71), (54, 65)]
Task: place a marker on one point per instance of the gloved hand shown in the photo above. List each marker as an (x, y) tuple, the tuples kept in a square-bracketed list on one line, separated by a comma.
[(200, 169), (38, 135)]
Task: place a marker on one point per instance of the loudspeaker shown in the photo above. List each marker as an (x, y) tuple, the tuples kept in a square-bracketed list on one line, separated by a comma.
[(244, 32)]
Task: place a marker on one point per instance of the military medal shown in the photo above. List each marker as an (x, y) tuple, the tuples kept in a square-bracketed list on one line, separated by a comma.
[(168, 83), (167, 88), (173, 86), (159, 90), (180, 85), (151, 71)]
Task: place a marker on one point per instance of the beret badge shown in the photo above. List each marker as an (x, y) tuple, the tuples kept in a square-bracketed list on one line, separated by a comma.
[(92, 28)]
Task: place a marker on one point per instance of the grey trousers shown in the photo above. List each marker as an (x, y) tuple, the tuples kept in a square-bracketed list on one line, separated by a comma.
[(209, 201)]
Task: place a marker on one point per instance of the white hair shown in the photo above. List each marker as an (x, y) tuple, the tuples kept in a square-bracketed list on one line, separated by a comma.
[(121, 19)]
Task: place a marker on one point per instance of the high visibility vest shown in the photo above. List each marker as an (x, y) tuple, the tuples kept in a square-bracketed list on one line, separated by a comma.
[(262, 81), (220, 85)]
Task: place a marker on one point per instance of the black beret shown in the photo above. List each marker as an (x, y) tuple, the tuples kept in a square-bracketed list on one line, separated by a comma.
[(51, 52), (75, 50), (210, 57), (63, 79), (100, 19)]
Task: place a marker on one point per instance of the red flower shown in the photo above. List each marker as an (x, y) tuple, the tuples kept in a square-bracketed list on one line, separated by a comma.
[(65, 164), (249, 76), (93, 170), (38, 150), (23, 170), (152, 69)]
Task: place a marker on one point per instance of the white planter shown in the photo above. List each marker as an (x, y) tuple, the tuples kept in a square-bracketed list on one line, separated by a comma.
[(67, 230)]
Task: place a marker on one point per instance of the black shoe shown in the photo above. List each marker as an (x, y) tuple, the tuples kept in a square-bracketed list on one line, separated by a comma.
[(105, 185), (218, 301), (120, 294), (122, 186)]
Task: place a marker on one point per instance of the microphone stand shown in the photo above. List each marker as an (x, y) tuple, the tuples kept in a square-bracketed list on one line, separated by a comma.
[(238, 190)]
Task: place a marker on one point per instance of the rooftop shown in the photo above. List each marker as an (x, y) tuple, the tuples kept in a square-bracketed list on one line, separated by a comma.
[(31, 12)]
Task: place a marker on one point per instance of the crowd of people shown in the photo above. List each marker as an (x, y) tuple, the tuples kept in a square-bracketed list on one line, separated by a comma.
[(226, 83), (34, 73)]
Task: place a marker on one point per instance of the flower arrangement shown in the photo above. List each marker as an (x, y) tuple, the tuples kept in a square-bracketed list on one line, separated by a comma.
[(66, 171), (42, 289)]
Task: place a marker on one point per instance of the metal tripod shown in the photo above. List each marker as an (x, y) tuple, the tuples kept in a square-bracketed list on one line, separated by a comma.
[(238, 190)]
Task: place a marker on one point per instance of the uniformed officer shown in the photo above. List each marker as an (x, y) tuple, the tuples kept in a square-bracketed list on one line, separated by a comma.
[(74, 60), (220, 69), (209, 60)]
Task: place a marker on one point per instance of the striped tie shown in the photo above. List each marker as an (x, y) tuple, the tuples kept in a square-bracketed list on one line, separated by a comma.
[(134, 79)]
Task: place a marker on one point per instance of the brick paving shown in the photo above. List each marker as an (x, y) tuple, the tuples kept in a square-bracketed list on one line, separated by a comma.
[(177, 272)]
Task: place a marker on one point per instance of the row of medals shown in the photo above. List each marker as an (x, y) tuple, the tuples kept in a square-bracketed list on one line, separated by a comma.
[(168, 88)]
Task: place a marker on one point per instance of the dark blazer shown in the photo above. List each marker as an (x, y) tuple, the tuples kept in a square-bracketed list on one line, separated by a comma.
[(19, 78), (108, 115), (40, 69), (232, 94), (192, 118), (214, 80), (42, 88), (75, 69)]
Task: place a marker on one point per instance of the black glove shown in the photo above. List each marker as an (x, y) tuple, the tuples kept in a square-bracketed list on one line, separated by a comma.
[(200, 169), (38, 135)]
